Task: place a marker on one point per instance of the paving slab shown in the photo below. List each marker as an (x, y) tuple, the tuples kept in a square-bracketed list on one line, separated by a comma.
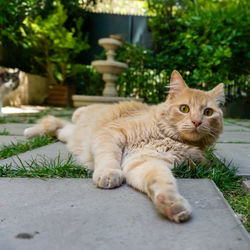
[(235, 136), (51, 151), (244, 124), (73, 214), (241, 122), (237, 154), (246, 186), (7, 139), (14, 128), (235, 128)]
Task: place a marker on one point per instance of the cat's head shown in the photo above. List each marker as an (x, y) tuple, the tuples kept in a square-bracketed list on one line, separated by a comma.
[(194, 114)]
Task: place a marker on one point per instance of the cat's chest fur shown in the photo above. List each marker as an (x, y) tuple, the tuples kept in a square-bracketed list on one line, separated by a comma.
[(148, 140)]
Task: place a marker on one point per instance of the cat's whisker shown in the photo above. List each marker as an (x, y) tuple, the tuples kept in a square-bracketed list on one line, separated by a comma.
[(187, 129), (211, 131), (213, 135)]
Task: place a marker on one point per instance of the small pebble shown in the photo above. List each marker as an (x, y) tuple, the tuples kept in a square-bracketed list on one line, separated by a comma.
[(24, 236)]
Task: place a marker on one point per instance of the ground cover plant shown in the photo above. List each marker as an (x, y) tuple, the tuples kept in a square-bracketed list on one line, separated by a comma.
[(4, 132), (65, 112), (46, 168), (9, 120), (237, 122), (21, 146)]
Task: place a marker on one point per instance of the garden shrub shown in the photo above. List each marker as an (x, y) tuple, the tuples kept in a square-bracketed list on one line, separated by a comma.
[(12, 15), (88, 82), (207, 41), (53, 46), (143, 78)]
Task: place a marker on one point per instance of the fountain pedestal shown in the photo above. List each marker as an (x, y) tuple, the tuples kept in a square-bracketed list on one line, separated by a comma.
[(110, 80), (110, 70)]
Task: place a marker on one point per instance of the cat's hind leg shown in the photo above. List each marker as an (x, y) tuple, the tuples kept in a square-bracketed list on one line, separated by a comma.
[(65, 134), (153, 177), (78, 113)]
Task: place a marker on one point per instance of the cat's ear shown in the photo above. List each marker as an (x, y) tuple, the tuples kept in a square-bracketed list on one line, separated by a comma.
[(218, 93), (177, 84)]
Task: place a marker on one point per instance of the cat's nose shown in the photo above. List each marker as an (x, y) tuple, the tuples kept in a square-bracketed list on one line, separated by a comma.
[(196, 123)]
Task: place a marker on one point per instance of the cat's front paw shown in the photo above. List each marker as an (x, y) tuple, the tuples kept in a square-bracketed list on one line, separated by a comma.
[(176, 208), (108, 178)]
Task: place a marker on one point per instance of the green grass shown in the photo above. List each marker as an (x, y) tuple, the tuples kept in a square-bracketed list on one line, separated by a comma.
[(236, 122), (22, 146), (4, 132), (46, 168), (33, 117), (235, 142), (8, 120), (226, 122), (24, 118), (63, 115), (226, 180)]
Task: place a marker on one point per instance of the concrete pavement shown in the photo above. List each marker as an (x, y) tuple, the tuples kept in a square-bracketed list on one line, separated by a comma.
[(72, 214)]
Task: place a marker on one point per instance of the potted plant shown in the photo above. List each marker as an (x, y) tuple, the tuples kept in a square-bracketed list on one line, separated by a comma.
[(54, 48)]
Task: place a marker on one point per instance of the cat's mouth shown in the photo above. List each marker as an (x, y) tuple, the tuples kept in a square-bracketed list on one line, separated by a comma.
[(192, 134)]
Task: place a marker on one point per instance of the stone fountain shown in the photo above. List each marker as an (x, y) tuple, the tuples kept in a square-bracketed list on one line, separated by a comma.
[(110, 70)]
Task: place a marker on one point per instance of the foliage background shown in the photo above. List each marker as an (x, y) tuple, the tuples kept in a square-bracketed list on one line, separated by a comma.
[(207, 41), (53, 46), (12, 15)]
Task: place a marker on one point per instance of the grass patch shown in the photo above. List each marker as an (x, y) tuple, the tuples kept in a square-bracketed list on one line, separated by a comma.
[(226, 180), (236, 122), (46, 168), (22, 146), (33, 117), (4, 132), (4, 120), (64, 116), (235, 142), (23, 118), (226, 122)]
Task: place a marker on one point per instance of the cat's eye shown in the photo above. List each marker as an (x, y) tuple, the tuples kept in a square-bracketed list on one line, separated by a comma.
[(184, 108), (208, 112)]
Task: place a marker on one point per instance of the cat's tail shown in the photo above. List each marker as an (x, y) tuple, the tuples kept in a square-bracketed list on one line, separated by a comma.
[(48, 125)]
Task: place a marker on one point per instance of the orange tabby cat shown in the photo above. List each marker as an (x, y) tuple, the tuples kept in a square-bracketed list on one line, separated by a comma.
[(141, 143)]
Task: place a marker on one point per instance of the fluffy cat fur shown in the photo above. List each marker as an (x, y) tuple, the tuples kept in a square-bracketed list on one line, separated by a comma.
[(141, 143)]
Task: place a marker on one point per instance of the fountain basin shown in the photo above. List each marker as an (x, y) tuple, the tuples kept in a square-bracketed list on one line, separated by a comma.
[(109, 43), (84, 100), (109, 66)]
